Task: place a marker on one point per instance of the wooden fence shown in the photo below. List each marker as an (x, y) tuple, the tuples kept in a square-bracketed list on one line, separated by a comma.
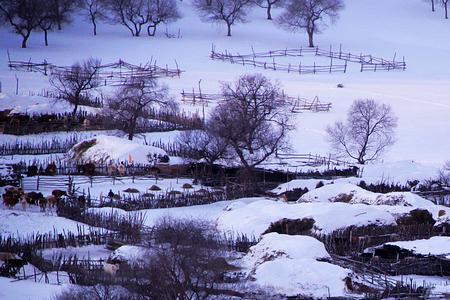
[(290, 68), (298, 104), (313, 160), (85, 100), (116, 73), (441, 197), (353, 240), (367, 62), (156, 121)]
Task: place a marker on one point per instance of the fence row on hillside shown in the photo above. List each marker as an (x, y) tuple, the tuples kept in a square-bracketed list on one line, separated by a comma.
[(84, 100), (332, 67), (314, 160), (108, 74), (368, 62), (298, 104), (354, 240), (155, 121)]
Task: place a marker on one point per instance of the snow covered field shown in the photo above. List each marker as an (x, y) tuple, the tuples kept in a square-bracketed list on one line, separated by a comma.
[(420, 97)]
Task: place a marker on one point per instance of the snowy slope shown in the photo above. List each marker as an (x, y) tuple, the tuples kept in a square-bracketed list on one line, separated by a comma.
[(110, 148), (436, 245), (418, 96), (288, 264), (354, 194)]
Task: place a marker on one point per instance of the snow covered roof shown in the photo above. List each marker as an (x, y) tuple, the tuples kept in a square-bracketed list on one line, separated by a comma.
[(103, 149), (288, 265), (350, 193)]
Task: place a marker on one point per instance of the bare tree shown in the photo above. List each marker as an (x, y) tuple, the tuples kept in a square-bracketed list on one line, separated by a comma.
[(204, 145), (309, 15), (228, 11), (253, 120), (367, 133), (133, 14), (48, 19), (445, 5), (75, 84), (63, 11), (135, 100), (444, 174), (94, 11), (268, 4), (161, 11), (23, 15), (432, 4), (187, 261)]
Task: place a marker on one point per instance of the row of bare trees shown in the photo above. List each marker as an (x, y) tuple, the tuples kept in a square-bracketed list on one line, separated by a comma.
[(442, 3), (311, 16), (253, 123), (249, 126), (131, 103), (26, 16)]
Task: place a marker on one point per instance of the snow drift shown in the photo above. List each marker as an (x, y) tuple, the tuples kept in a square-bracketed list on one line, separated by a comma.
[(103, 149), (353, 194), (288, 264)]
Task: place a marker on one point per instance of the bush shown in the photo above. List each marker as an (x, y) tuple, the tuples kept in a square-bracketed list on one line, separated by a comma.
[(295, 194), (291, 226), (187, 261), (97, 292), (344, 198), (416, 217), (319, 184)]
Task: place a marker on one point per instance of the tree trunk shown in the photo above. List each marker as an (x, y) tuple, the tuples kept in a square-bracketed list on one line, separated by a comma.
[(25, 39), (269, 8), (311, 38), (59, 25), (151, 30), (46, 37), (229, 29), (132, 128), (432, 5), (446, 9), (75, 108), (94, 25)]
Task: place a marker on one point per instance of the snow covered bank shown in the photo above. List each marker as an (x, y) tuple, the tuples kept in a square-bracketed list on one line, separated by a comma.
[(103, 149), (353, 194), (27, 289), (254, 218), (436, 245), (21, 224), (288, 265), (37, 105)]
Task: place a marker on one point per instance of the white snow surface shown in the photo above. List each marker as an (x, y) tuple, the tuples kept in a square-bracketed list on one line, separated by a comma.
[(254, 218), (22, 224), (111, 148), (133, 255), (436, 245), (27, 289), (288, 265), (84, 252), (335, 192), (36, 105), (418, 96)]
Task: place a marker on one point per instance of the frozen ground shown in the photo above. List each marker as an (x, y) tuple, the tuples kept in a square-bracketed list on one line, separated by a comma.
[(419, 96), (289, 265)]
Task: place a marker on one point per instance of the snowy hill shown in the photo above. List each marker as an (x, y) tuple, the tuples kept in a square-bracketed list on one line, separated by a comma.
[(418, 96)]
